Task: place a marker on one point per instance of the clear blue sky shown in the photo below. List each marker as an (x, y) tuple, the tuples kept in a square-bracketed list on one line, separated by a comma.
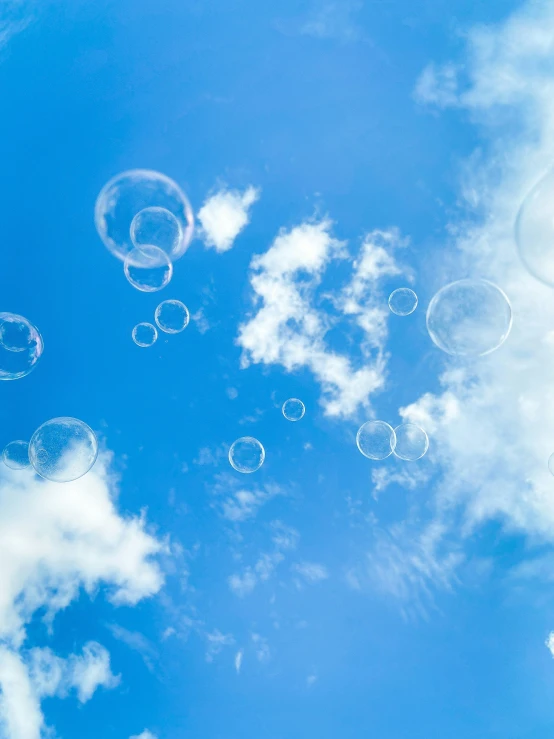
[(344, 598)]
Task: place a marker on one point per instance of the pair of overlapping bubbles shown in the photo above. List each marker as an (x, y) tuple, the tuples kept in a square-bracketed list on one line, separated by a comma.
[(61, 450), (21, 346), (146, 220), (171, 317), (377, 440)]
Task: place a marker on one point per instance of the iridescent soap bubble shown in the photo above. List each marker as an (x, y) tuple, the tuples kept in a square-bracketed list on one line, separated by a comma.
[(16, 455), (376, 439), (411, 442), (144, 334), (63, 449), (402, 301), (534, 230), (21, 346), (469, 318), (148, 268), (172, 316), (129, 193), (551, 464), (156, 227), (246, 454), (293, 409)]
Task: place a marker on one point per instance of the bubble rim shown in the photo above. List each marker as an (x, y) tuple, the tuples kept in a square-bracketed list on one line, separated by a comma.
[(246, 438), (9, 466), (293, 420), (142, 250), (49, 423), (169, 330), (397, 313), (39, 340), (392, 442), (150, 325), (410, 459)]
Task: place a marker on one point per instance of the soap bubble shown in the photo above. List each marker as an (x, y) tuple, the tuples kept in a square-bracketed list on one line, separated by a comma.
[(246, 454), (63, 449), (469, 318), (172, 316), (376, 439), (403, 301), (148, 268), (123, 197), (293, 409), (16, 455), (20, 346), (551, 464), (144, 334), (411, 442), (534, 230), (156, 227)]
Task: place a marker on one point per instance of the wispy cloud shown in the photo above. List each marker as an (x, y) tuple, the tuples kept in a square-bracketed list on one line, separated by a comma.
[(311, 572), (224, 215), (327, 19)]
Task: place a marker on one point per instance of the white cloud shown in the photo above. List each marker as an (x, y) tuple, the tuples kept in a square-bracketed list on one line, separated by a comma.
[(311, 571), (550, 643), (144, 735), (216, 642), (55, 541), (224, 215), (243, 584), (263, 652), (290, 325), (438, 86), (238, 660), (244, 504), (333, 19)]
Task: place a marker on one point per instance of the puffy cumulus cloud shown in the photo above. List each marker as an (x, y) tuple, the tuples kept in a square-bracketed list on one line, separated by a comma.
[(224, 215), (55, 541), (290, 324), (492, 425), (144, 735)]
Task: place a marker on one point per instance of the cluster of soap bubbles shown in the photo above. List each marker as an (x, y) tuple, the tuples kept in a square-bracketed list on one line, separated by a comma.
[(247, 454), (145, 220), (61, 450), (377, 440), (21, 346), (171, 317)]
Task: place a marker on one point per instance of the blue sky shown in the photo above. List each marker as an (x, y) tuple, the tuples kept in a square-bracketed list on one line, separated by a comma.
[(365, 146)]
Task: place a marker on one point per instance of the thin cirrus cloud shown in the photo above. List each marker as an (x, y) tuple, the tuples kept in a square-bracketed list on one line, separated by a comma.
[(224, 215), (289, 324), (56, 541), (492, 423)]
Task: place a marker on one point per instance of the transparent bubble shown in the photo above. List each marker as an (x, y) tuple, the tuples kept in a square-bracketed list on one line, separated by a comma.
[(129, 193), (246, 454), (63, 449), (172, 316), (16, 455), (293, 409), (376, 439), (469, 318), (148, 268), (403, 301), (21, 346), (551, 464), (411, 442), (156, 227), (534, 230), (144, 334)]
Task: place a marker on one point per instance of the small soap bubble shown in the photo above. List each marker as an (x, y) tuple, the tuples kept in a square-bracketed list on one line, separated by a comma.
[(156, 227), (469, 318), (376, 439), (293, 409), (534, 230), (551, 464), (21, 346), (148, 268), (246, 454), (403, 301), (129, 193), (16, 455), (63, 449), (172, 316), (411, 442), (144, 334)]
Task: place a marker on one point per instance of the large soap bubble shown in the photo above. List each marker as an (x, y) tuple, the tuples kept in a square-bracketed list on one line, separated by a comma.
[(376, 439), (469, 318), (144, 334), (148, 268), (534, 230), (293, 409), (156, 227), (63, 449), (20, 346), (411, 442), (402, 301), (16, 455), (129, 193), (246, 454), (172, 316)]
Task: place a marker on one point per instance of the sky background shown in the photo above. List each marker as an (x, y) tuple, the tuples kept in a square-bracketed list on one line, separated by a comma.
[(364, 146)]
